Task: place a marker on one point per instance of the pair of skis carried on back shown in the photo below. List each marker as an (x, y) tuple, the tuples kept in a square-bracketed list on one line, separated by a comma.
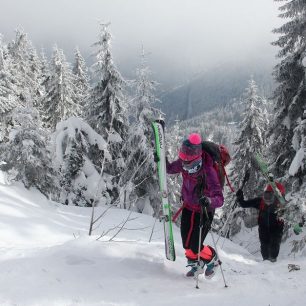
[(160, 153), (263, 167)]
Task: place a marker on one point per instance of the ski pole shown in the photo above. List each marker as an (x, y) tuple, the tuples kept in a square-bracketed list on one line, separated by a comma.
[(220, 262), (215, 246), (199, 247)]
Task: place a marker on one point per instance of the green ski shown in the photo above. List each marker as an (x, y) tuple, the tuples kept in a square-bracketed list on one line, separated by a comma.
[(159, 137), (269, 177)]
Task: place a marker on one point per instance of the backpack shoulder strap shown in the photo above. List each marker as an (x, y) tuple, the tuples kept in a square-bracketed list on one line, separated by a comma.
[(262, 205)]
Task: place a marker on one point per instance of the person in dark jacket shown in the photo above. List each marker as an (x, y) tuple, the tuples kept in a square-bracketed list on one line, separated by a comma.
[(200, 187), (270, 226)]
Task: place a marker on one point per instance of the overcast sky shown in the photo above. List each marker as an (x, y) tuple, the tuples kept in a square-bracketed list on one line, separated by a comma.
[(182, 36)]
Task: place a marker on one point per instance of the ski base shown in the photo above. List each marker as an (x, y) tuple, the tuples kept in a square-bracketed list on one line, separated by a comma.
[(159, 137)]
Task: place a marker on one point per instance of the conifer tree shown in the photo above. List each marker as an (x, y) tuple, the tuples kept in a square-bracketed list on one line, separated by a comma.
[(251, 140), (26, 155), (25, 68), (36, 77), (8, 99), (294, 211), (174, 141), (81, 184), (290, 94), (81, 79), (106, 111), (139, 143), (44, 68), (298, 166), (59, 101)]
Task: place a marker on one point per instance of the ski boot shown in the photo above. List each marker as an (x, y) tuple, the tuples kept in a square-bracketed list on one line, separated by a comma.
[(196, 268), (212, 265)]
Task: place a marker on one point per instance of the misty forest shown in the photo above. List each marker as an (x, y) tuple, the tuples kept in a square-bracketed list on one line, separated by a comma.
[(81, 134)]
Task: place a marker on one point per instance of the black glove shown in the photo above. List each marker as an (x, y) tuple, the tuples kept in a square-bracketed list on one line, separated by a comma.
[(156, 158), (239, 195), (204, 201)]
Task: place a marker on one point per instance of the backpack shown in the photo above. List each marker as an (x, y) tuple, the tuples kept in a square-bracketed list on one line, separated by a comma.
[(220, 157)]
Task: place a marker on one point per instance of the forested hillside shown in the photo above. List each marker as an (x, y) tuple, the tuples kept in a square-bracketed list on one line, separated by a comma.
[(216, 88)]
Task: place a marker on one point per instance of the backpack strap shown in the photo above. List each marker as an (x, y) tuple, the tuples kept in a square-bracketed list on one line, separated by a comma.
[(262, 205), (190, 230), (178, 213), (201, 185), (227, 179)]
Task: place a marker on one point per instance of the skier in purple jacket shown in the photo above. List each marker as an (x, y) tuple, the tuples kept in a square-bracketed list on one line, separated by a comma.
[(200, 187)]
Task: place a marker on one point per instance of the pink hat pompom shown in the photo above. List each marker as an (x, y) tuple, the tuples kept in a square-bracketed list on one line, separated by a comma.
[(195, 138)]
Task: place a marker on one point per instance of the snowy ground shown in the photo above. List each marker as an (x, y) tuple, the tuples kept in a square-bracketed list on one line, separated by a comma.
[(47, 258)]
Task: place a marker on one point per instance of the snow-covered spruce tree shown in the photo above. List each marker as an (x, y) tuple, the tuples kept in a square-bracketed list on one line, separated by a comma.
[(251, 140), (295, 211), (26, 154), (298, 165), (106, 109), (81, 183), (36, 77), (140, 166), (59, 101), (45, 67), (25, 68), (81, 79), (174, 141), (8, 99), (44, 70), (290, 95), (290, 103)]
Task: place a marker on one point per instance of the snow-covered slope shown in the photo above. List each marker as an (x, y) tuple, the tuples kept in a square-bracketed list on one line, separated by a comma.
[(47, 258)]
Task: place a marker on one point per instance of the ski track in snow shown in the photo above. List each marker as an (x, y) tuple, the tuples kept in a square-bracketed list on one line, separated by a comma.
[(47, 258)]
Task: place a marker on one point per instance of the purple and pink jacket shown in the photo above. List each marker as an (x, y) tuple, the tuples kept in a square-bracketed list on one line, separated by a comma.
[(212, 190)]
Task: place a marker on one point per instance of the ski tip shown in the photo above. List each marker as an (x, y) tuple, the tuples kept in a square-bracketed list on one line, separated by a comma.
[(160, 121)]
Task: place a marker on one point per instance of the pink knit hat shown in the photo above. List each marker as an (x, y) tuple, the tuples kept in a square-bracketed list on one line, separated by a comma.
[(191, 148), (195, 138)]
